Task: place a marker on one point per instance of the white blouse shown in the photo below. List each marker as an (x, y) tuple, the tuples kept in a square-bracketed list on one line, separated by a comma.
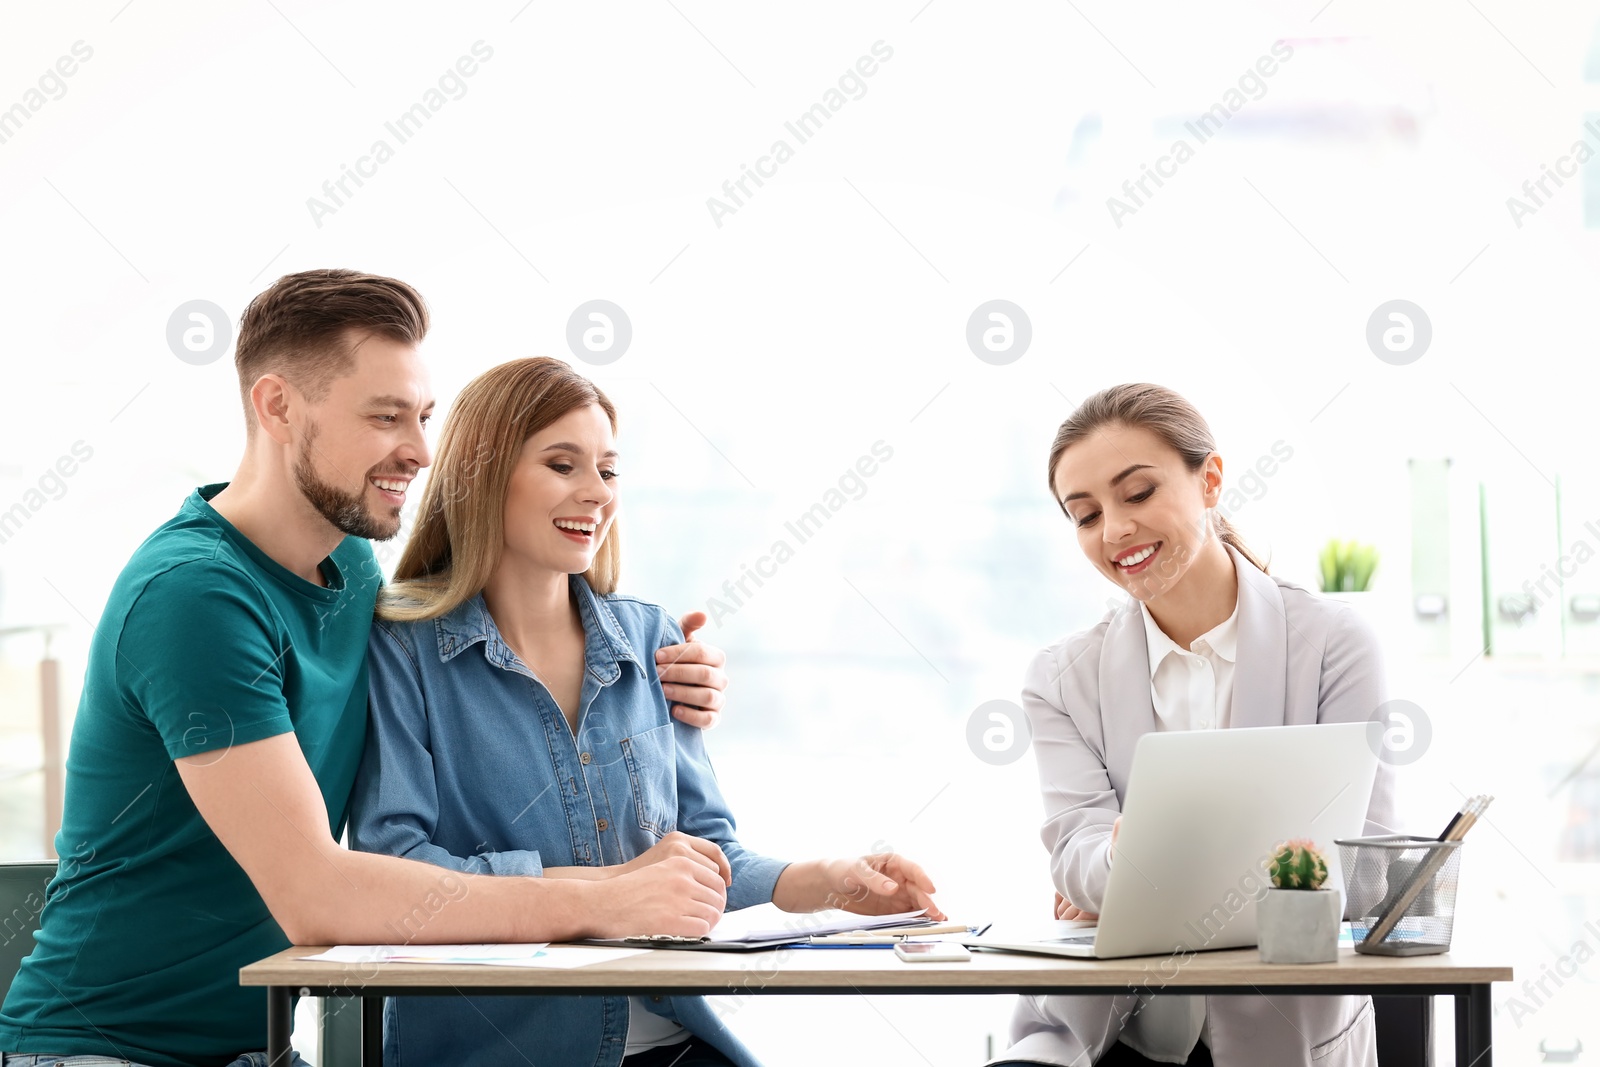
[(1191, 689)]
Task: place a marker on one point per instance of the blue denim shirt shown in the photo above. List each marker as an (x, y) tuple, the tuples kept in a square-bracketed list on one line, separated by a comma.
[(470, 764)]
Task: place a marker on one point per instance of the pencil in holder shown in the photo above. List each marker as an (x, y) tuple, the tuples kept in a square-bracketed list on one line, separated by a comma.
[(1400, 893)]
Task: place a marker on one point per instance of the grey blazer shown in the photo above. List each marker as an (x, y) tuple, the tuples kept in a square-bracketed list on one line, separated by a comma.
[(1301, 659)]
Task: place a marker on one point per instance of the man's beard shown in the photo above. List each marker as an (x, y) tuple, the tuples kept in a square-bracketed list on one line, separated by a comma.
[(347, 512)]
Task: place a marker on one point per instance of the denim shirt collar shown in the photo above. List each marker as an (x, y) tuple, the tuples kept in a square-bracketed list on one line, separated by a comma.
[(605, 646)]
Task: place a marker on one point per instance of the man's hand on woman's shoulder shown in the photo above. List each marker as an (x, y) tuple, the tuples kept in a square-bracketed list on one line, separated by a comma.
[(692, 678)]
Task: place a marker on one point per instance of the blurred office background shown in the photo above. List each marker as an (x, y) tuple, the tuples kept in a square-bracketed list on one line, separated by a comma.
[(781, 336)]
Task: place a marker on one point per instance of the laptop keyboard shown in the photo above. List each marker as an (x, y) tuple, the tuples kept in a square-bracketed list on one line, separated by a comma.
[(1079, 939)]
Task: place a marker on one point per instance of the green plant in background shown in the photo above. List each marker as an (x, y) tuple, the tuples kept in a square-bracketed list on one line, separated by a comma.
[(1297, 864), (1347, 566)]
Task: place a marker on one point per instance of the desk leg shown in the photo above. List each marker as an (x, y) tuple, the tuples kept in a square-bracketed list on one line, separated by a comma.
[(280, 1021), (1474, 1027), (371, 1032)]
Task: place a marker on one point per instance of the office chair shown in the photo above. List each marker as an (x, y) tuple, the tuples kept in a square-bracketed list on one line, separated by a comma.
[(22, 888), (21, 900), (1404, 1027)]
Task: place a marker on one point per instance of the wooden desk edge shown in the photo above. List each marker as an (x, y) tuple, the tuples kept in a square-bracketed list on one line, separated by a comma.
[(801, 969)]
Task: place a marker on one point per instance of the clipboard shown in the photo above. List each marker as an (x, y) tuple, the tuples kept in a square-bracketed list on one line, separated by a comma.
[(690, 944)]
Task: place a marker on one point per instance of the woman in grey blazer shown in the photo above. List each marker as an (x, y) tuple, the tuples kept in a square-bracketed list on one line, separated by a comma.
[(1206, 640)]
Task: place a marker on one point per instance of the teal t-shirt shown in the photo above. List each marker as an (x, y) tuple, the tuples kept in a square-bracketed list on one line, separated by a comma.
[(205, 643)]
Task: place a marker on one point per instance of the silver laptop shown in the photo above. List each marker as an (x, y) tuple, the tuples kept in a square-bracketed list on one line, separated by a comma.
[(1202, 812)]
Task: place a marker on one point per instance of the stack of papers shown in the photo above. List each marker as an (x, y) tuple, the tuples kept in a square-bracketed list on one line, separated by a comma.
[(765, 926)]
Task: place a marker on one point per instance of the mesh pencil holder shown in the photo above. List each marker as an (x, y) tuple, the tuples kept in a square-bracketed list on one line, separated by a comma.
[(1381, 873)]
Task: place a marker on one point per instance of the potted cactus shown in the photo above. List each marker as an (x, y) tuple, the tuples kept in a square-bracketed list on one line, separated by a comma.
[(1297, 921)]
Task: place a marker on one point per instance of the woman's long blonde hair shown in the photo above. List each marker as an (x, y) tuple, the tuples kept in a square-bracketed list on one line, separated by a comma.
[(1162, 412), (460, 531)]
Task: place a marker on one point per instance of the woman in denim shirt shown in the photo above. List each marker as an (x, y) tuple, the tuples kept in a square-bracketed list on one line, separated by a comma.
[(518, 727)]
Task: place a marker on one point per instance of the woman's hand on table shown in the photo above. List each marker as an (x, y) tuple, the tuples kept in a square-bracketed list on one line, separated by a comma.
[(1067, 910), (692, 678), (883, 883)]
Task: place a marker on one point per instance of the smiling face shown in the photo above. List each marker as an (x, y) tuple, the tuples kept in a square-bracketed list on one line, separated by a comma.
[(1141, 516), (562, 498), (363, 443)]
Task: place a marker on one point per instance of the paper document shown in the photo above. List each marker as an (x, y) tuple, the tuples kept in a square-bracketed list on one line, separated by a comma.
[(765, 922), (506, 955)]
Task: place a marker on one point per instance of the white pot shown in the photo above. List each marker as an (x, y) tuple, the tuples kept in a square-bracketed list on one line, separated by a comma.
[(1298, 925)]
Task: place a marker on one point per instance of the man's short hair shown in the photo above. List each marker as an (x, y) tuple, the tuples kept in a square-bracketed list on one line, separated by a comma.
[(306, 325)]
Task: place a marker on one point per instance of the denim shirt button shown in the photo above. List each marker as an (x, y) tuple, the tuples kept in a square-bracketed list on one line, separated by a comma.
[(583, 758), (601, 825)]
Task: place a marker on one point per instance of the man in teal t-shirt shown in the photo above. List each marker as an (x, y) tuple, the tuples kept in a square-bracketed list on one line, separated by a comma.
[(152, 924), (224, 713)]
